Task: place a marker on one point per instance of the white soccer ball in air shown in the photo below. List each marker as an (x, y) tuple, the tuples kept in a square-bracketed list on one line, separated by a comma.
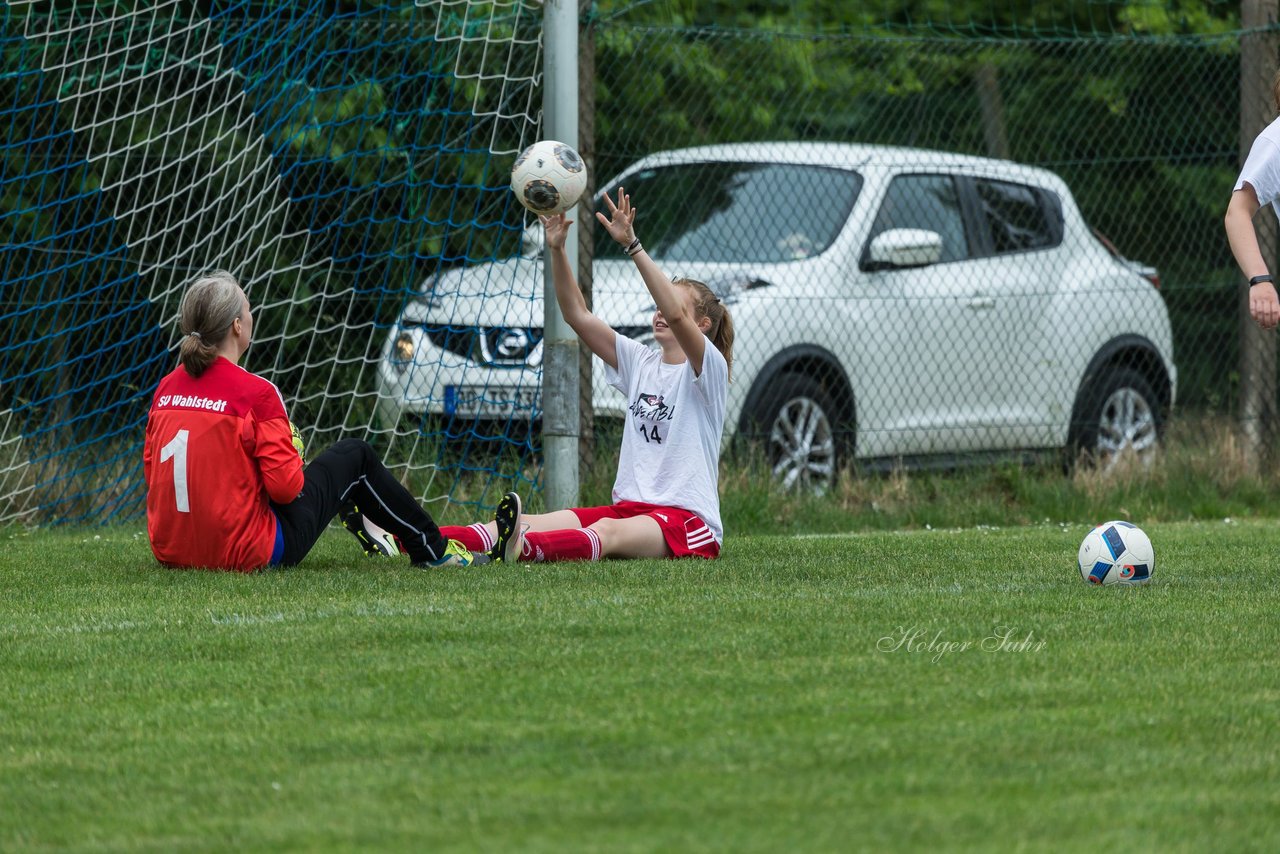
[(1116, 553), (548, 177)]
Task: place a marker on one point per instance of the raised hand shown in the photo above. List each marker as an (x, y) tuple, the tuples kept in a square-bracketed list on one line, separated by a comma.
[(621, 220), (555, 229)]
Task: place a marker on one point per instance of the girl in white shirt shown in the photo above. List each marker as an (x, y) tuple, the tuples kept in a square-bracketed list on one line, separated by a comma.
[(666, 501)]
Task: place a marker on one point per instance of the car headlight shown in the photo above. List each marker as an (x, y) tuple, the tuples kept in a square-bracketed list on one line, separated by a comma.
[(402, 351)]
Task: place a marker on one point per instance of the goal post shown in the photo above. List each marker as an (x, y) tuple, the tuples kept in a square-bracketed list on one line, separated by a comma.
[(560, 422)]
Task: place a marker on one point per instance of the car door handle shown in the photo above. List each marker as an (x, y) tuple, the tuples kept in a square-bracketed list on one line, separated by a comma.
[(981, 303)]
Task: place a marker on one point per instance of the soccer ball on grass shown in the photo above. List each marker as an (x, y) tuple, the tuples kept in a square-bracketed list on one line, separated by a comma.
[(1116, 553), (548, 177)]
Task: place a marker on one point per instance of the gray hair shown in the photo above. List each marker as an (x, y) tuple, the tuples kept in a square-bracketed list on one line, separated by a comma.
[(209, 306)]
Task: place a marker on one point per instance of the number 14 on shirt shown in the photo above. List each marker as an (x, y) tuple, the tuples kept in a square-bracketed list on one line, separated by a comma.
[(651, 434)]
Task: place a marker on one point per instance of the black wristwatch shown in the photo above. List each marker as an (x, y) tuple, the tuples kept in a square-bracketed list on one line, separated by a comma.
[(1257, 280)]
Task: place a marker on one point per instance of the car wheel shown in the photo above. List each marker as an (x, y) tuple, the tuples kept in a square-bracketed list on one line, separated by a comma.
[(1117, 413), (795, 419)]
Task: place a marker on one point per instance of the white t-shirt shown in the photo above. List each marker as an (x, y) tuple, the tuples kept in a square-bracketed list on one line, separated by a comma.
[(671, 441), (1261, 168)]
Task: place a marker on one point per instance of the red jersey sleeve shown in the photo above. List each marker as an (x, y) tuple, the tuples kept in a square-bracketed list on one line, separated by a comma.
[(270, 441)]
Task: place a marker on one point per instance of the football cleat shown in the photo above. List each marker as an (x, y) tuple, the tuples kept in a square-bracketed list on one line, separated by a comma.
[(374, 540), (510, 540), (456, 554)]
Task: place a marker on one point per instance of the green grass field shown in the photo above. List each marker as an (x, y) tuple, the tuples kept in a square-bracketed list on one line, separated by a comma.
[(814, 693)]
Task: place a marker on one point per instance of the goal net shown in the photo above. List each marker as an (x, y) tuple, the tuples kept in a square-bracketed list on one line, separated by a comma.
[(340, 163)]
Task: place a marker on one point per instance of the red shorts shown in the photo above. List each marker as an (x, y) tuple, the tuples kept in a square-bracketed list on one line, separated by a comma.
[(686, 534)]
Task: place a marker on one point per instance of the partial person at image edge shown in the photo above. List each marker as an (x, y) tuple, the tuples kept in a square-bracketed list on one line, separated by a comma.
[(1257, 185)]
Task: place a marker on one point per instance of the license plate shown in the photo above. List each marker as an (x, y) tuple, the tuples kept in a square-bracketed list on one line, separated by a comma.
[(469, 400)]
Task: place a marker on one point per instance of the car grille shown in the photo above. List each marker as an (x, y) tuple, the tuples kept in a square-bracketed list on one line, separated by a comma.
[(489, 345), (502, 346)]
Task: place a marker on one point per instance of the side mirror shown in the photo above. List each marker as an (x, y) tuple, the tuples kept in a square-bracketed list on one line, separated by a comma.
[(904, 247)]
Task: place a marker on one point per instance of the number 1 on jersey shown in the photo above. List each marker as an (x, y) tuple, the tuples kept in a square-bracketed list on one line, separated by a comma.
[(177, 450)]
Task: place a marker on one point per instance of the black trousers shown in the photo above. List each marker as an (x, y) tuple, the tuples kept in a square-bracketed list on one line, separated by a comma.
[(350, 471)]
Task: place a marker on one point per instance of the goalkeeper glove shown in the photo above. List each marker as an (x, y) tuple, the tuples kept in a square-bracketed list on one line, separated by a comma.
[(297, 440)]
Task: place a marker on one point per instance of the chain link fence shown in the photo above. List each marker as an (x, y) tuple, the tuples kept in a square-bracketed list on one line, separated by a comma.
[(1052, 315)]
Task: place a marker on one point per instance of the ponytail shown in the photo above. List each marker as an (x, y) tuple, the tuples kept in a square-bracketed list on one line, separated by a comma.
[(209, 306), (707, 304)]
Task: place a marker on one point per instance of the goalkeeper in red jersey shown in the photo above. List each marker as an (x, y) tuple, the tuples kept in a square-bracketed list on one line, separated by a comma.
[(226, 486)]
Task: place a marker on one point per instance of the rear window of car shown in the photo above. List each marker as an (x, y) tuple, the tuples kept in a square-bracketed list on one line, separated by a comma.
[(1019, 218), (759, 213)]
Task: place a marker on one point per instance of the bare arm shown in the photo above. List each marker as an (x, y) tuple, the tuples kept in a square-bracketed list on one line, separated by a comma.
[(1240, 233), (621, 226), (594, 332), (1264, 305)]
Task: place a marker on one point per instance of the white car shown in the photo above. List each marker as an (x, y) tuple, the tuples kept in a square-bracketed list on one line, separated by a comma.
[(891, 304)]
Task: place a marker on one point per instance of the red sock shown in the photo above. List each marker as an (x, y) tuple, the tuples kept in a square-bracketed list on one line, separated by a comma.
[(474, 537), (567, 544)]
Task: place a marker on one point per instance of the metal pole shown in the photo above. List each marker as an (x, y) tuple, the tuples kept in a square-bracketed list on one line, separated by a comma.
[(560, 345), (1257, 348), (586, 228)]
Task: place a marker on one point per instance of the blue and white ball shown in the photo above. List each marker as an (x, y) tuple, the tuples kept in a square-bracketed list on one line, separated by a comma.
[(548, 177), (1116, 553)]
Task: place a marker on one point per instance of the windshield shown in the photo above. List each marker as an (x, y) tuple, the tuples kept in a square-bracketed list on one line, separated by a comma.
[(760, 213)]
